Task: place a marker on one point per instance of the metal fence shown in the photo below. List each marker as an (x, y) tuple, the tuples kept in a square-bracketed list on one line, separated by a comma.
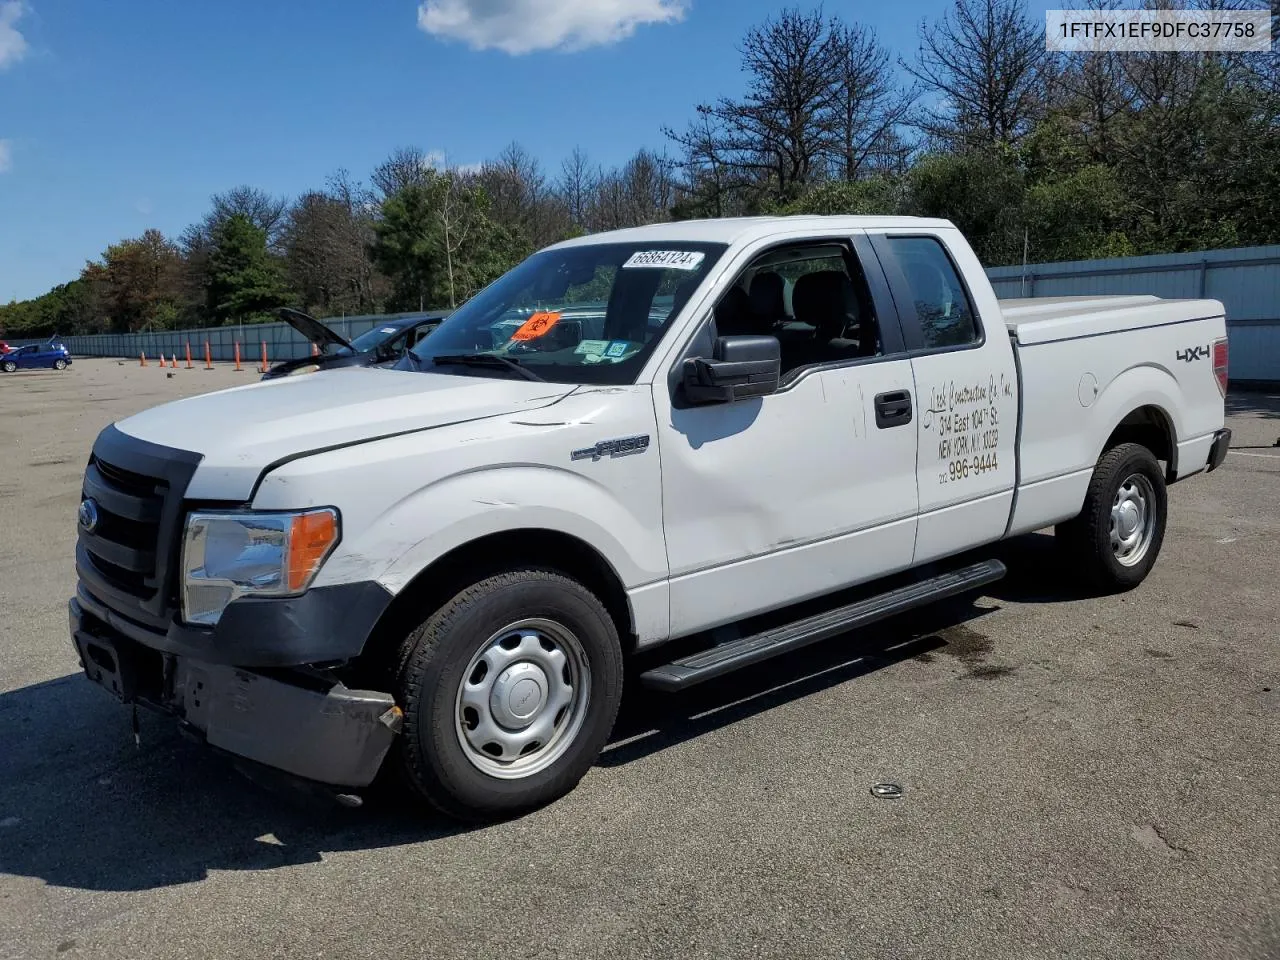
[(279, 340), (1245, 279)]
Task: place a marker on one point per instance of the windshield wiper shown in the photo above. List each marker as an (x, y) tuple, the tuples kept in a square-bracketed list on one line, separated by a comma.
[(486, 360)]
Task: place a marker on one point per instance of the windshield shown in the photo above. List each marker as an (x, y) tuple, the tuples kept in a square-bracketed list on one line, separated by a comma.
[(370, 339), (582, 314)]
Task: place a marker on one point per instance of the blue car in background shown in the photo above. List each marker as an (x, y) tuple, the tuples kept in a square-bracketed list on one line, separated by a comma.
[(52, 354)]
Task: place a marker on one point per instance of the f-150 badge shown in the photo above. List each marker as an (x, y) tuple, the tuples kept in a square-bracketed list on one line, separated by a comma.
[(613, 448)]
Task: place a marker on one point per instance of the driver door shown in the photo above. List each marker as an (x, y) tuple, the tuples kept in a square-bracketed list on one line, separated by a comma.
[(772, 500)]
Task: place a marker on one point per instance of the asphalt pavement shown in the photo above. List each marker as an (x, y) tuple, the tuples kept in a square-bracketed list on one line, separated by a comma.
[(1081, 776)]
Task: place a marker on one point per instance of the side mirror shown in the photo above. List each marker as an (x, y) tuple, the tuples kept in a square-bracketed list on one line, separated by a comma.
[(741, 367)]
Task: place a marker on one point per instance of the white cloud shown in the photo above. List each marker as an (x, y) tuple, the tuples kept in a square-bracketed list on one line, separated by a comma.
[(523, 26), (6, 155), (13, 46), (439, 160)]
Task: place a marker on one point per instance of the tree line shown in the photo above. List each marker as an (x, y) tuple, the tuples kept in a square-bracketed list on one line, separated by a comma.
[(1047, 156)]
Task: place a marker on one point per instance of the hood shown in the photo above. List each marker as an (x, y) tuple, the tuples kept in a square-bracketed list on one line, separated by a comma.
[(311, 328), (241, 431)]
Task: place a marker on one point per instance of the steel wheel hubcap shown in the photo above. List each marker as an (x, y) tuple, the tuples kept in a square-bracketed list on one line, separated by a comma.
[(522, 699), (1133, 519)]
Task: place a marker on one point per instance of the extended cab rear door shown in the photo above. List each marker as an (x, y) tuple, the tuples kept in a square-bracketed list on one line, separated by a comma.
[(966, 385)]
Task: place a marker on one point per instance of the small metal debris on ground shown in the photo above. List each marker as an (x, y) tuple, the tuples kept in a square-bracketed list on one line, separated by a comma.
[(886, 791)]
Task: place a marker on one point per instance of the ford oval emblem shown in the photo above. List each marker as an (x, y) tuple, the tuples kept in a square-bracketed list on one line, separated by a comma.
[(89, 515)]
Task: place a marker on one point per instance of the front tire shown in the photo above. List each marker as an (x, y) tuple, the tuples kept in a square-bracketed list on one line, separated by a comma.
[(510, 691), (59, 364), (1114, 542)]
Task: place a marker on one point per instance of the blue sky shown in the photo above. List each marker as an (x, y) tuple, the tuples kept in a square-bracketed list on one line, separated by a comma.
[(123, 115)]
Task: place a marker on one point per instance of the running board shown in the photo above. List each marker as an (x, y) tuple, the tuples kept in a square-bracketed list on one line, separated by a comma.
[(727, 657)]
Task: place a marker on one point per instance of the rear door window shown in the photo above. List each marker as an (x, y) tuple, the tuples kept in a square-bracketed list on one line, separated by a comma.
[(945, 315)]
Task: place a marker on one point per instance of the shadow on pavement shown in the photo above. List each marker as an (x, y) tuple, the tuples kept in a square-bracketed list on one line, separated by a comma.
[(1255, 404), (82, 806), (650, 722)]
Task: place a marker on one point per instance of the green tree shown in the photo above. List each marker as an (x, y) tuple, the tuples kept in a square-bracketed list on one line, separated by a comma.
[(981, 192), (245, 281), (138, 281), (438, 243), (405, 247)]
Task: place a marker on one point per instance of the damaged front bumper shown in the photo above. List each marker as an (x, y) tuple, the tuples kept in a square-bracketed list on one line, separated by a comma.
[(291, 720)]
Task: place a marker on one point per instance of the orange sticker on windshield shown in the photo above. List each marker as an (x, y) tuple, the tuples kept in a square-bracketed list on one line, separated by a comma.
[(536, 326)]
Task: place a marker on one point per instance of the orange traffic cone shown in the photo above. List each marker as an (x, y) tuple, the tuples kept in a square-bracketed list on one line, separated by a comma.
[(142, 356), (238, 367), (161, 359), (264, 356), (175, 361), (208, 357), (189, 367)]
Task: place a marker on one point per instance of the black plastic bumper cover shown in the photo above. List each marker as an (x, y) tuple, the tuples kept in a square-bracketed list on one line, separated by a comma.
[(329, 735), (324, 625), (1218, 452)]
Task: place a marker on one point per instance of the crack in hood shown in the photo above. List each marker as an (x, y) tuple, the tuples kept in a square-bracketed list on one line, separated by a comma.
[(241, 431)]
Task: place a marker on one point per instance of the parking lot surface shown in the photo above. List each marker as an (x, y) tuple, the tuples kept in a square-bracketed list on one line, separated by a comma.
[(1082, 776)]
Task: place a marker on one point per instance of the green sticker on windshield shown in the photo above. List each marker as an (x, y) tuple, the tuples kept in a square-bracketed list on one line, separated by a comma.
[(591, 348)]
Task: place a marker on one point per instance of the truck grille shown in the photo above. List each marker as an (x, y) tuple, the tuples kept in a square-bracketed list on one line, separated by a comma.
[(123, 544), (127, 559)]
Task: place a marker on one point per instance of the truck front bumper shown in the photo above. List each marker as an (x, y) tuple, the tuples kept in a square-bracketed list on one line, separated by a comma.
[(1218, 452), (300, 723)]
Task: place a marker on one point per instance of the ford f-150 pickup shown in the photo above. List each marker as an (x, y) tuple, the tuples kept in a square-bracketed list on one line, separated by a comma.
[(677, 431)]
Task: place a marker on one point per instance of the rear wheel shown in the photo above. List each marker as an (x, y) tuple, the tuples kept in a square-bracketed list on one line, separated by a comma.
[(8, 366), (1115, 540), (510, 691)]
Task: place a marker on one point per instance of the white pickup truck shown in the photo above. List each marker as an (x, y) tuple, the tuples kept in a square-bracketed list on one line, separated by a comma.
[(630, 438)]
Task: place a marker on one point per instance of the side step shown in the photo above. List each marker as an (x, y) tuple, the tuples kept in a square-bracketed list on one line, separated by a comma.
[(727, 657)]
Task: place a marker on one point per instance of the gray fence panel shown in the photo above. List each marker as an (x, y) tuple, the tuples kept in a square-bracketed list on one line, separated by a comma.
[(1245, 279)]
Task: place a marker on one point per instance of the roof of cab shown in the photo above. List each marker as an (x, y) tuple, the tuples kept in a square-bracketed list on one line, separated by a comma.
[(745, 229)]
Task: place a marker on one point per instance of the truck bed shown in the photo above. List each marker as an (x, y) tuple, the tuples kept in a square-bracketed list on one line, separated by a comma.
[(1048, 319), (1087, 362)]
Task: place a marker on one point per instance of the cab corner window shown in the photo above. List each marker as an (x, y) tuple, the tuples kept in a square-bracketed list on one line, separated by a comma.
[(942, 307), (813, 297)]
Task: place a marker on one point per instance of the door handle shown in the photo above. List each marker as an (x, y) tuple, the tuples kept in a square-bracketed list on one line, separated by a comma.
[(893, 409)]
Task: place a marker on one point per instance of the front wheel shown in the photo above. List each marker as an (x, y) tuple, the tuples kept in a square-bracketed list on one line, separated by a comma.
[(59, 364), (1115, 540), (9, 366), (510, 691)]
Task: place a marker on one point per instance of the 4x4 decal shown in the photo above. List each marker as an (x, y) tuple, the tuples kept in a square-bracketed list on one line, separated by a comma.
[(1195, 353)]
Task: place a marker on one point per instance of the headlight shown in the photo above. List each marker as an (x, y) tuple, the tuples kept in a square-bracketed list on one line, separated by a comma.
[(230, 555)]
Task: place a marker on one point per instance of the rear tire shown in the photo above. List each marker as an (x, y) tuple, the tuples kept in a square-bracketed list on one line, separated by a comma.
[(8, 366), (510, 691), (1114, 542)]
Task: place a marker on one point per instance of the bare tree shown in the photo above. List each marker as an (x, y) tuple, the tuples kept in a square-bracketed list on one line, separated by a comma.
[(710, 180), (264, 211), (327, 240), (516, 187), (866, 104), (576, 184), (780, 130), (985, 60), (405, 167)]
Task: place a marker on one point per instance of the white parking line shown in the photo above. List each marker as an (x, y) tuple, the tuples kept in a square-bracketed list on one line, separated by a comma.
[(1260, 456)]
